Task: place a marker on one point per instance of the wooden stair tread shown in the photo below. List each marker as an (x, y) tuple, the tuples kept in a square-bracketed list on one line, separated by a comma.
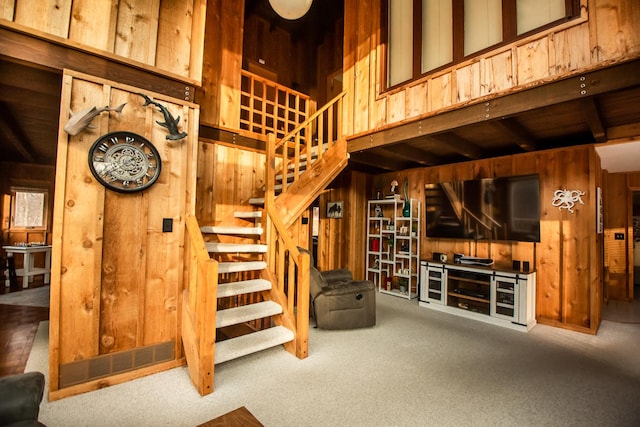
[(247, 313), (238, 266), (224, 229), (256, 201), (251, 343), (248, 214), (252, 248), (243, 287)]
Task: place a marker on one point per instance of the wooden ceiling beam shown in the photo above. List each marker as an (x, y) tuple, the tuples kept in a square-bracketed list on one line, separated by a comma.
[(414, 154), (521, 136), (624, 131), (378, 160), (594, 119), (459, 145), (55, 56), (579, 86)]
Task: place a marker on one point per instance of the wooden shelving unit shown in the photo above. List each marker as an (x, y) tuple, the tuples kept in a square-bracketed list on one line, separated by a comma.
[(393, 246)]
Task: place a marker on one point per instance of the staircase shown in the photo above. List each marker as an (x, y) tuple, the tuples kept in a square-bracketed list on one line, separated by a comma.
[(247, 262), (248, 284)]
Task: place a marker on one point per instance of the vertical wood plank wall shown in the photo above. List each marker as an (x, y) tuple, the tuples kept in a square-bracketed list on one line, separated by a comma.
[(341, 240), (116, 276), (166, 35), (619, 253), (219, 95), (605, 32), (568, 257), (227, 177)]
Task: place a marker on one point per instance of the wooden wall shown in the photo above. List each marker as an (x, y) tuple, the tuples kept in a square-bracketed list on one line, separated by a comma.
[(219, 95), (227, 177), (116, 276), (162, 35), (340, 240), (567, 260), (605, 32), (618, 261)]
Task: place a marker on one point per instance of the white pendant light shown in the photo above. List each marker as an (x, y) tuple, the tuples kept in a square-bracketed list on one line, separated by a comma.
[(291, 9)]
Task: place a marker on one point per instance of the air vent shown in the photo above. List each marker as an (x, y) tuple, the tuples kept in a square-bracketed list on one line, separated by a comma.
[(106, 365)]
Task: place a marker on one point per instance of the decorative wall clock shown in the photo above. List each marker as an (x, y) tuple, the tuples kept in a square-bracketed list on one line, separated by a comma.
[(124, 161)]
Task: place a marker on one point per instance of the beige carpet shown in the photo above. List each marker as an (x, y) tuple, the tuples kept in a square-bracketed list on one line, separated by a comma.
[(37, 297), (417, 367)]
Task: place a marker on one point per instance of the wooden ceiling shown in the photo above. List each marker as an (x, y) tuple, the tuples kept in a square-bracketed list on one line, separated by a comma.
[(553, 115), (29, 111)]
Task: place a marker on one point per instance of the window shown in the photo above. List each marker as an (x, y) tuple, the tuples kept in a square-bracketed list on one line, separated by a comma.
[(28, 208), (424, 35)]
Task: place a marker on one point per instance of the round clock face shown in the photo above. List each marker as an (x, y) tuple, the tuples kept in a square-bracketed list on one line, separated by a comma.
[(124, 162)]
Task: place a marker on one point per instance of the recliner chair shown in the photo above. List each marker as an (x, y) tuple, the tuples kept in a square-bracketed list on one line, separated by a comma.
[(338, 301)]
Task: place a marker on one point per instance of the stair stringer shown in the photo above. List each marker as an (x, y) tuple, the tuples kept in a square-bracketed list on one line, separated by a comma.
[(234, 263), (301, 194), (286, 317)]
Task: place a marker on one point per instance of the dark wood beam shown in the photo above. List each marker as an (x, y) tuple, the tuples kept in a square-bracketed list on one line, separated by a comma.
[(578, 86), (19, 46), (379, 160), (230, 137), (594, 119), (460, 145), (520, 135), (415, 154)]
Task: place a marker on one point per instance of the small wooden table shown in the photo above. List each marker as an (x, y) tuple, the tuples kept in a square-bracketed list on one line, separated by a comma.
[(29, 269)]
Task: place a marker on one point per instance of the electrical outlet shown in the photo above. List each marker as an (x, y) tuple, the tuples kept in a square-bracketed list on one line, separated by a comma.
[(167, 225), (618, 236)]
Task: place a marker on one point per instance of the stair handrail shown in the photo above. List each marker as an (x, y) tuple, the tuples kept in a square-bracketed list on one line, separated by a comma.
[(199, 308), (302, 142), (289, 274), (288, 267)]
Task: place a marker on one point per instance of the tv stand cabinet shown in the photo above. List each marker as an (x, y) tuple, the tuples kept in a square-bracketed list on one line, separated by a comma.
[(501, 297)]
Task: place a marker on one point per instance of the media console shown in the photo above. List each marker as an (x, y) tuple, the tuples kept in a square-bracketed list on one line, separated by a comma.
[(501, 297)]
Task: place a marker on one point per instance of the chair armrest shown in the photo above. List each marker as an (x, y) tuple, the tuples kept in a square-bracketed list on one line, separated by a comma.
[(20, 397)]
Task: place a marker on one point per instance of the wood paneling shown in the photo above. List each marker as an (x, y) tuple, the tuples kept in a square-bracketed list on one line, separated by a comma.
[(341, 242), (566, 259), (165, 36), (222, 63), (227, 178), (603, 33), (618, 261), (116, 276)]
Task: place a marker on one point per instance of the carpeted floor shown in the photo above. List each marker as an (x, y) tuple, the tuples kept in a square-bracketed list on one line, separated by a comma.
[(416, 367)]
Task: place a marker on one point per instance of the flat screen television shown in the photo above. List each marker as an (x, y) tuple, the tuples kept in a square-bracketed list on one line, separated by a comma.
[(485, 209)]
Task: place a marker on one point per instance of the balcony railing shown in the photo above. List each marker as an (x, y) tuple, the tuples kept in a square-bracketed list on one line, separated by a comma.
[(267, 107)]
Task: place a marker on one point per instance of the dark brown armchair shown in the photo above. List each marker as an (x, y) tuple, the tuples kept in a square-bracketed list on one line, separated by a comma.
[(338, 301)]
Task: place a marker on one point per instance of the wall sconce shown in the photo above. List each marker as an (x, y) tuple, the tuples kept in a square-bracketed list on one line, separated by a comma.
[(291, 9)]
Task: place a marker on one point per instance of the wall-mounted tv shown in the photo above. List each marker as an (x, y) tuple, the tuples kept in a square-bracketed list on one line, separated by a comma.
[(485, 209)]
